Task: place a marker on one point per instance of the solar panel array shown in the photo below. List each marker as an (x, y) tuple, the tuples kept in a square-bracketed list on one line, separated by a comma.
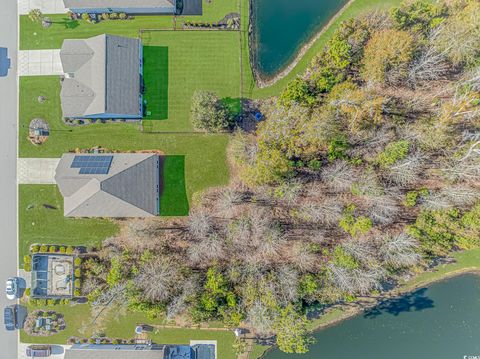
[(89, 165)]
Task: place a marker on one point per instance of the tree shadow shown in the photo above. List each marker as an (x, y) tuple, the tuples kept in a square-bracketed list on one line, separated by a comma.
[(21, 312), (57, 349), (173, 194), (413, 302), (22, 286)]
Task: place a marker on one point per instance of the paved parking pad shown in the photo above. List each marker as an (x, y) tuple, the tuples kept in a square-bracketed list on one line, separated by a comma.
[(36, 170), (45, 6), (39, 62)]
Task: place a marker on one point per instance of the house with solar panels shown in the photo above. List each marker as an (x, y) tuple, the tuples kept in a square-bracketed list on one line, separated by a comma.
[(126, 6), (102, 78), (109, 185)]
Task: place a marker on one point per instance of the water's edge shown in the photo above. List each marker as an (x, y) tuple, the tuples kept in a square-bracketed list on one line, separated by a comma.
[(350, 312), (263, 81)]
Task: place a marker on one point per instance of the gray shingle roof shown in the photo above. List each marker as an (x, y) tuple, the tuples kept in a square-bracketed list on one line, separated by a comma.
[(102, 76), (113, 354), (76, 4), (130, 189)]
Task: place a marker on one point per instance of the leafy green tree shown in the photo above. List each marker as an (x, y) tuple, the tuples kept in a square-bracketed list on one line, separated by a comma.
[(292, 334), (116, 274), (419, 16), (298, 91), (387, 56), (209, 112), (354, 225)]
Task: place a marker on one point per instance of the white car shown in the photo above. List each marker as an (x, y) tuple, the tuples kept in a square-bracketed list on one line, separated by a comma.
[(11, 289)]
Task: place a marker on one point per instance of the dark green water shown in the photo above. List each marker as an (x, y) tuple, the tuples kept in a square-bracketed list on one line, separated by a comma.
[(281, 27), (438, 322)]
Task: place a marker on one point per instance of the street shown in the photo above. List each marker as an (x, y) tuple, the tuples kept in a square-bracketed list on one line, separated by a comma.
[(8, 159)]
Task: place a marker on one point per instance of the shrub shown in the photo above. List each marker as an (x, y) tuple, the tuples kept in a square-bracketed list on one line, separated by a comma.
[(61, 249), (314, 164), (78, 261), (113, 16), (43, 248), (77, 283), (70, 250), (393, 152), (27, 259), (86, 17), (209, 112), (354, 225), (78, 273), (122, 16), (117, 341), (105, 16), (27, 292), (77, 293), (35, 15), (34, 248), (411, 198), (27, 267), (52, 249), (51, 302), (33, 302)]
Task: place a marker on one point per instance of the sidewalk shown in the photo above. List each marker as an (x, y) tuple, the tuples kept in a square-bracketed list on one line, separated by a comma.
[(36, 170), (45, 6)]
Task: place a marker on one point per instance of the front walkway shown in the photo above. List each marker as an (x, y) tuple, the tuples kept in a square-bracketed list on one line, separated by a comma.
[(39, 62), (45, 6), (36, 170)]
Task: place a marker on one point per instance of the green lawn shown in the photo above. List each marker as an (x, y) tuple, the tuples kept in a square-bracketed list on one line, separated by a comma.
[(41, 220), (34, 36), (197, 60), (118, 324), (155, 77), (205, 154), (173, 199)]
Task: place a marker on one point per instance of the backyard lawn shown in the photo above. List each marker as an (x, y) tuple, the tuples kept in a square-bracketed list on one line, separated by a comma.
[(121, 324), (195, 60), (41, 220), (34, 36), (205, 163)]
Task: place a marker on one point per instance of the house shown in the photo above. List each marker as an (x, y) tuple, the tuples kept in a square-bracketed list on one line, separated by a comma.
[(118, 6), (52, 276), (109, 185), (102, 78), (140, 351)]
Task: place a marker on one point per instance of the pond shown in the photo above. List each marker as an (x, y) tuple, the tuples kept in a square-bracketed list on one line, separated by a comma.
[(281, 27), (438, 322)]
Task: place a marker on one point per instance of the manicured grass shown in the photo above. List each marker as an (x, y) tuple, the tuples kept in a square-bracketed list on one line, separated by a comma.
[(155, 77), (34, 36), (118, 324), (41, 220), (197, 60), (205, 154), (173, 200)]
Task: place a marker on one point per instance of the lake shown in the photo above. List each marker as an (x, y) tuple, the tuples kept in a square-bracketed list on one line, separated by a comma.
[(441, 321), (281, 27)]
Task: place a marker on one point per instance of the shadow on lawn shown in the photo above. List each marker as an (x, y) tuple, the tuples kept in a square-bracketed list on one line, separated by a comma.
[(155, 80), (173, 194)]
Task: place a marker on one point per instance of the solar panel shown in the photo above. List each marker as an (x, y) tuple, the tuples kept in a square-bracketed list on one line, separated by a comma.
[(92, 164)]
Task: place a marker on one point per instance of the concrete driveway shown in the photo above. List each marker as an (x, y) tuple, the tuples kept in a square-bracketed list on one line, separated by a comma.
[(45, 6), (36, 170), (39, 62)]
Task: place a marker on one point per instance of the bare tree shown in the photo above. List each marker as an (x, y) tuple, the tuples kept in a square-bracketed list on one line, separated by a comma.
[(204, 251), (260, 317), (340, 176), (303, 257), (288, 280), (407, 171), (383, 209), (327, 212), (400, 250), (200, 224), (356, 281), (228, 200), (431, 65), (159, 279)]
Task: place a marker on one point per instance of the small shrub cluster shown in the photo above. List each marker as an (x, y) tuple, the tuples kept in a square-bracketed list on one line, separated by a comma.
[(44, 323)]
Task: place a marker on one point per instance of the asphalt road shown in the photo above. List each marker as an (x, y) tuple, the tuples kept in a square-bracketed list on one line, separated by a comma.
[(8, 159)]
